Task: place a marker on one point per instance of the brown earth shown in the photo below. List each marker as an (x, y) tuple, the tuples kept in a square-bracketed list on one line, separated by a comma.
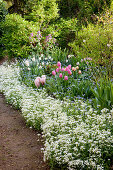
[(20, 146)]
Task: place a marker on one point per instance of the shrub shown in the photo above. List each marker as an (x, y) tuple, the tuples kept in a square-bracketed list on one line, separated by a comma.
[(42, 11), (3, 13), (15, 37), (95, 42), (65, 30), (81, 9)]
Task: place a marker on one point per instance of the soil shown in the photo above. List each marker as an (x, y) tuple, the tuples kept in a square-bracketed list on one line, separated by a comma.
[(20, 146)]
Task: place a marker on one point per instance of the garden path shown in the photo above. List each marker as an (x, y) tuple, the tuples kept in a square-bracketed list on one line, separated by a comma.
[(20, 146)]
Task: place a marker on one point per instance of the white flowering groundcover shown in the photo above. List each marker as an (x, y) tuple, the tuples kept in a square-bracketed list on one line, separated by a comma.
[(75, 134)]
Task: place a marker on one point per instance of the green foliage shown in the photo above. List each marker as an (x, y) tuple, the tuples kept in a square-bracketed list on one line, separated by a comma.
[(15, 37), (3, 13), (95, 42), (42, 11), (82, 9), (66, 30), (63, 30), (103, 93)]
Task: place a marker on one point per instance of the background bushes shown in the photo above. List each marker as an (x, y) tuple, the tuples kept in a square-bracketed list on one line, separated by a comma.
[(62, 19), (95, 41), (16, 32), (3, 13)]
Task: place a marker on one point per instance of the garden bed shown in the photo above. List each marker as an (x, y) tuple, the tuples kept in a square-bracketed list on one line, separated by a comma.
[(76, 135)]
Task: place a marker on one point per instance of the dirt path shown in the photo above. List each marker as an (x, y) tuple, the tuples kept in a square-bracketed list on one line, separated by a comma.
[(19, 145)]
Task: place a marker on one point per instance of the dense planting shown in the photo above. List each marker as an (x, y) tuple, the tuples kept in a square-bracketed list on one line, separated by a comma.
[(62, 79), (76, 136)]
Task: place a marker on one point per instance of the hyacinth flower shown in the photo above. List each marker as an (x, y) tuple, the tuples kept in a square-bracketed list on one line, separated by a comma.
[(39, 36), (31, 34)]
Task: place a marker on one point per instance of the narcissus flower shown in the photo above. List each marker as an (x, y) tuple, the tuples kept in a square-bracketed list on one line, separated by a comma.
[(27, 63)]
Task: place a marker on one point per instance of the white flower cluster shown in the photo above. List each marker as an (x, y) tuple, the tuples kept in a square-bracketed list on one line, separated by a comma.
[(75, 134)]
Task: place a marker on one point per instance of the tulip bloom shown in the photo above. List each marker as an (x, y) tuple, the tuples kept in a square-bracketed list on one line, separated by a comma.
[(60, 75), (73, 69), (42, 80), (65, 77), (57, 70), (77, 67), (69, 66), (37, 82), (69, 72), (67, 69), (63, 69), (53, 73), (79, 72), (59, 64)]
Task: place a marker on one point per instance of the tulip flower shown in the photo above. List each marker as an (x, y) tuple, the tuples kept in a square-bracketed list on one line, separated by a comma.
[(59, 64), (37, 82), (69, 72), (73, 69), (79, 72), (65, 77), (53, 73), (69, 66), (60, 75)]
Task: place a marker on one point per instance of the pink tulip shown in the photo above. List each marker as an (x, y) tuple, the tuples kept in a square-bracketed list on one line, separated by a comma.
[(65, 77), (57, 70), (69, 72), (42, 80), (44, 76), (37, 82), (59, 64), (79, 72), (53, 73), (69, 66), (67, 69), (60, 75), (73, 69), (63, 69), (77, 67)]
